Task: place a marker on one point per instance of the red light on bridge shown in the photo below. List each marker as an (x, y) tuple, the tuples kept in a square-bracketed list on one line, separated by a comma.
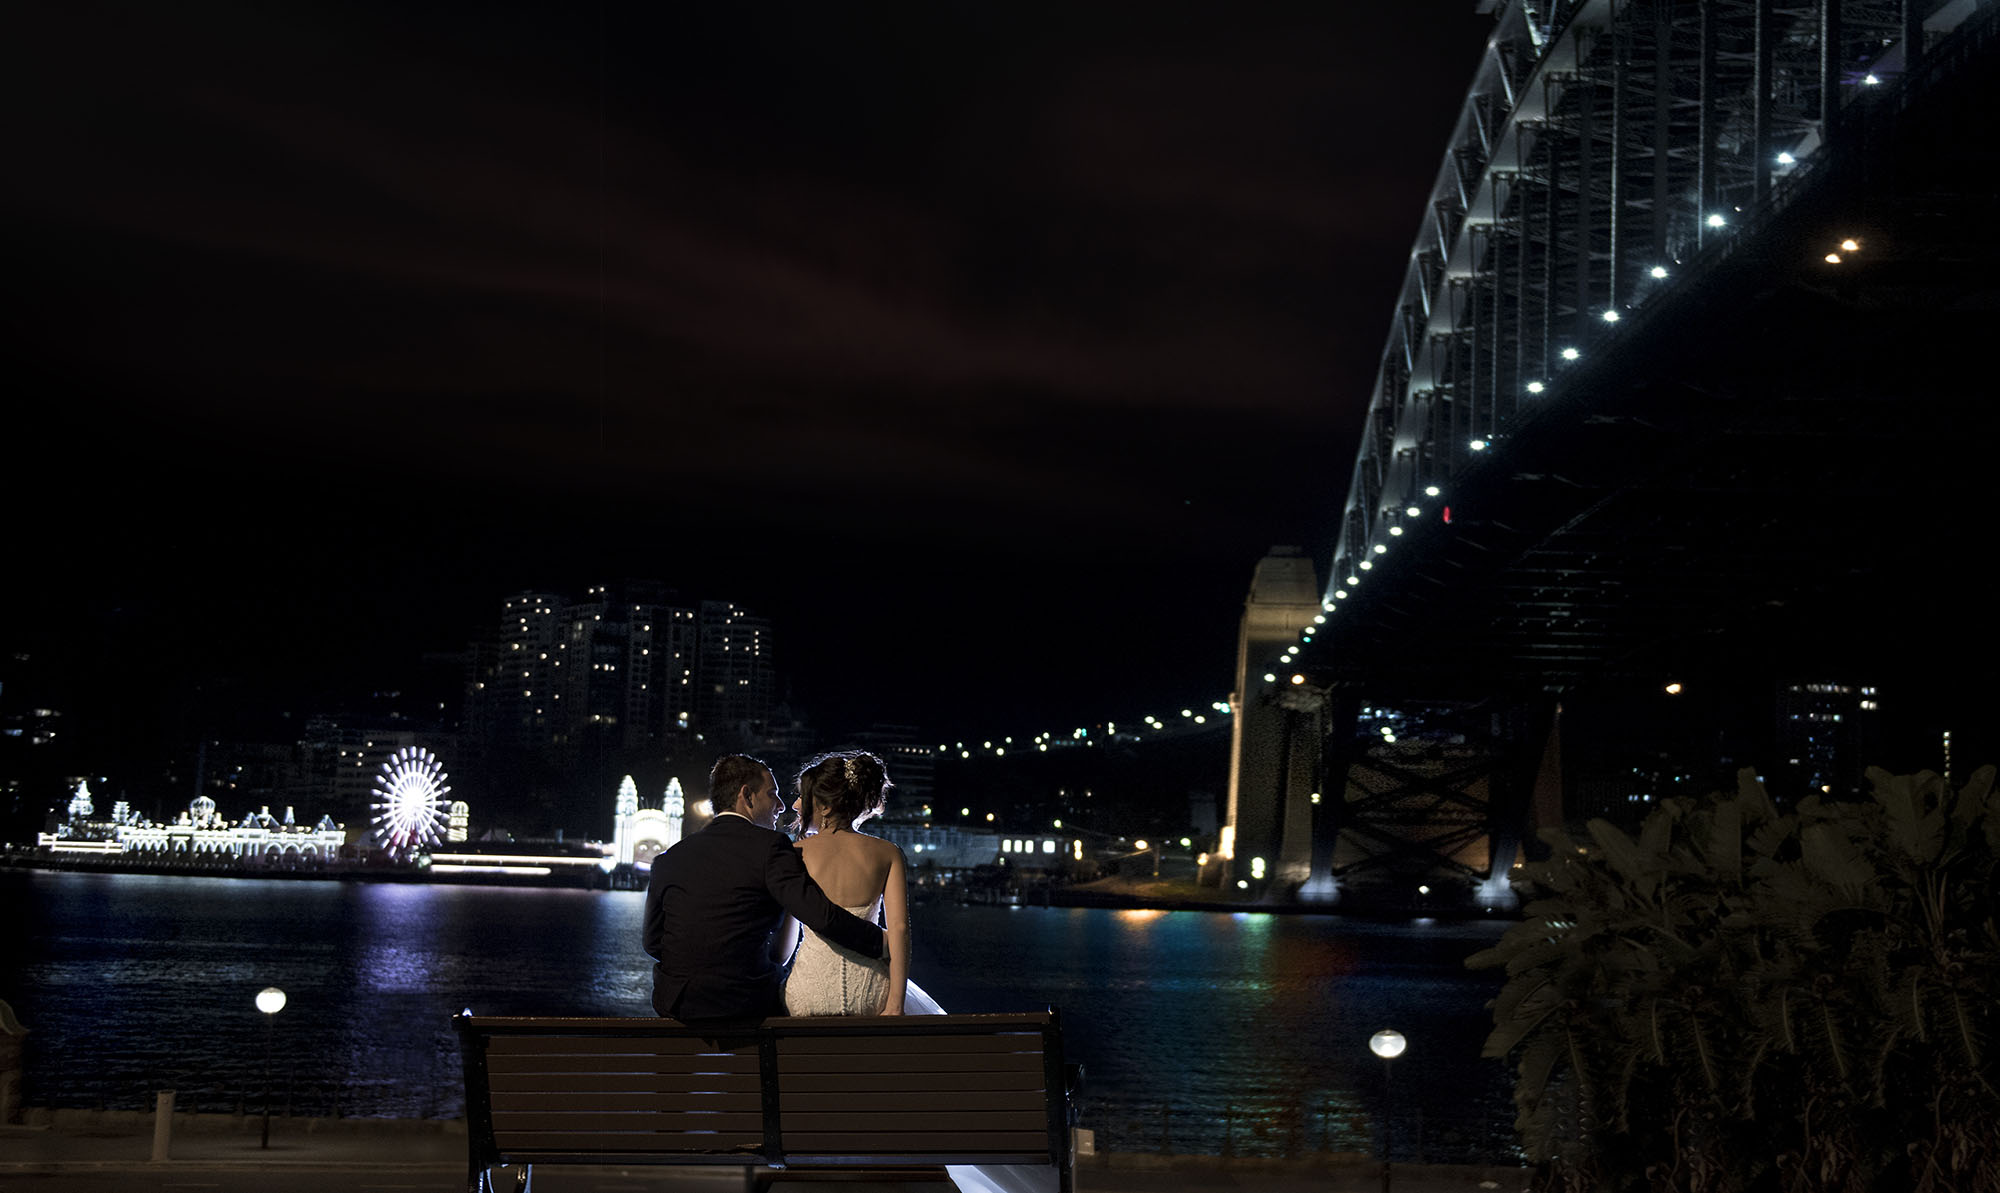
[(1447, 515)]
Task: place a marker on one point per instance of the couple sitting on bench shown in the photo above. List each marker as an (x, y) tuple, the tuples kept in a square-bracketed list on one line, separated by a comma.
[(725, 906)]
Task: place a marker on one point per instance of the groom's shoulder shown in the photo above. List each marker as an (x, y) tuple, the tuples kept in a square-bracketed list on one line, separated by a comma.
[(735, 828)]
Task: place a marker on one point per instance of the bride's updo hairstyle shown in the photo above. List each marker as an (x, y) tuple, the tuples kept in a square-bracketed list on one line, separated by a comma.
[(851, 784)]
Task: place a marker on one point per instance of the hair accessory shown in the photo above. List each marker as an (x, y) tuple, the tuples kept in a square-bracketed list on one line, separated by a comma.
[(848, 766)]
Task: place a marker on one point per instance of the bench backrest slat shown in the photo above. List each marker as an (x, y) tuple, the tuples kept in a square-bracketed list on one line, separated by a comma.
[(862, 1084), (666, 1122), (672, 1084), (565, 1045), (543, 1147), (958, 1101), (894, 1147), (875, 1043)]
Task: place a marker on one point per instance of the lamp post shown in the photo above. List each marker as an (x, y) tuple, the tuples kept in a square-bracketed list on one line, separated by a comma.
[(1387, 1044), (270, 1000)]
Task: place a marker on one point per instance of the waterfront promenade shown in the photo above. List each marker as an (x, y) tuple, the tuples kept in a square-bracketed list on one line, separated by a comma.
[(83, 1151)]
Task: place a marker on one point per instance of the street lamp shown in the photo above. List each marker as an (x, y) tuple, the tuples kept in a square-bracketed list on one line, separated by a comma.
[(270, 1000), (1387, 1044)]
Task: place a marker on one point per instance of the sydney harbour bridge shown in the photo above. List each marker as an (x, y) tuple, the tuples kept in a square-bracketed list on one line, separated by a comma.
[(1691, 375)]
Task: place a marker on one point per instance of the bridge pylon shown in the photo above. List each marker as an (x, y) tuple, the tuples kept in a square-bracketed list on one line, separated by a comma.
[(1274, 742)]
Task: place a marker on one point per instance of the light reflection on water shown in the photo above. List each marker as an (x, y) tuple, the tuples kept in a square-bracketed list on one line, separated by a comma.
[(1199, 1032)]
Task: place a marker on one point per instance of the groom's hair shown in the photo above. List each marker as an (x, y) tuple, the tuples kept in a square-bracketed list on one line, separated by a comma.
[(731, 774)]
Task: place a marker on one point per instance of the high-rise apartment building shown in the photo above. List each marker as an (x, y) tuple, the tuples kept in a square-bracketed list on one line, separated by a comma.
[(737, 689), (624, 670), (517, 689), (912, 764), (1827, 734), (629, 655)]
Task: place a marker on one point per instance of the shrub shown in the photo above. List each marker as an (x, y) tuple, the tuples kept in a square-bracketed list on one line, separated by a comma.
[(1741, 999)]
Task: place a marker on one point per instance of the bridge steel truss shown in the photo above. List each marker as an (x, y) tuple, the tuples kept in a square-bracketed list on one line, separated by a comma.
[(1613, 159), (1604, 148)]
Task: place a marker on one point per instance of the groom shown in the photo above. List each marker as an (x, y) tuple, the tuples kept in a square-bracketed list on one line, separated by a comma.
[(715, 898)]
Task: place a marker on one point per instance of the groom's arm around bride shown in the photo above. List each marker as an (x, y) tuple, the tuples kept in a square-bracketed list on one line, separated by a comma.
[(714, 899)]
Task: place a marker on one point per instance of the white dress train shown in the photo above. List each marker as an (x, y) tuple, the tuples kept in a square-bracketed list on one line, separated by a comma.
[(829, 980)]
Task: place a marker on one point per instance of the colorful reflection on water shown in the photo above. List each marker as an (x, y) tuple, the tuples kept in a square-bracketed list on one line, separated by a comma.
[(1198, 1032)]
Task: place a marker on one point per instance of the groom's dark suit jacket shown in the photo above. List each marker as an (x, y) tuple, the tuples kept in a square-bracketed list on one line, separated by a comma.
[(711, 906)]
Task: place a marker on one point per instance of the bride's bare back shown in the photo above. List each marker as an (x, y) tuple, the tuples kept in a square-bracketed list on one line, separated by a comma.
[(854, 870), (835, 792), (851, 868)]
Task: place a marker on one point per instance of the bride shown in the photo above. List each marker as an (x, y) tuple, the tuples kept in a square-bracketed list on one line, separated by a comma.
[(836, 793), (864, 874)]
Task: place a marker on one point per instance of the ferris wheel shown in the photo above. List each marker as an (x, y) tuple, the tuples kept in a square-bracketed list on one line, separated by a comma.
[(410, 807)]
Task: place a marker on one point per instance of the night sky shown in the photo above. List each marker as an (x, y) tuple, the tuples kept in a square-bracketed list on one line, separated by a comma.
[(983, 347)]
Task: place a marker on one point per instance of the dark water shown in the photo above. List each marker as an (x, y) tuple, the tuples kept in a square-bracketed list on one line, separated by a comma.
[(1199, 1032)]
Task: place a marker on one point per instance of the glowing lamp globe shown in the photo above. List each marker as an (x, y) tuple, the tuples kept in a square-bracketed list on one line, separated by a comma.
[(270, 1000), (1387, 1044)]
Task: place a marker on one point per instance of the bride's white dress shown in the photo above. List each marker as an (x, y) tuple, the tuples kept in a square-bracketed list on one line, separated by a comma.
[(829, 980)]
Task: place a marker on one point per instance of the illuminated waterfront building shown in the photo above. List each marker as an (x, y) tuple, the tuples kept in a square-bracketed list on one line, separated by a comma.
[(641, 834), (198, 836)]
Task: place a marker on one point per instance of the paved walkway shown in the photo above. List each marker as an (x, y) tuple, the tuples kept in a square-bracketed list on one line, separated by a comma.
[(111, 1151)]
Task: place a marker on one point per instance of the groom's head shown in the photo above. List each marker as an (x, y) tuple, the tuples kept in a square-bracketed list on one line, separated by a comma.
[(741, 784)]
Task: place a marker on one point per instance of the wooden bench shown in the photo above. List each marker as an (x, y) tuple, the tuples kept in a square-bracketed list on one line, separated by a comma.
[(892, 1097)]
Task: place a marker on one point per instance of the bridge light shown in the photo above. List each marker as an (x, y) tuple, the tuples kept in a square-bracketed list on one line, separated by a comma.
[(1570, 354), (1786, 159), (1833, 258), (1340, 594), (1658, 271), (1270, 678), (1297, 680), (1430, 490), (1871, 80), (1353, 579), (1850, 245), (1413, 511), (1611, 316), (1716, 220), (1395, 530), (1535, 387), (1673, 689), (1366, 565), (1380, 549), (1478, 445)]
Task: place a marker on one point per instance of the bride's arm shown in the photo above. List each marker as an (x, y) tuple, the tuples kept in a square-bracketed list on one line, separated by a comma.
[(896, 932)]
